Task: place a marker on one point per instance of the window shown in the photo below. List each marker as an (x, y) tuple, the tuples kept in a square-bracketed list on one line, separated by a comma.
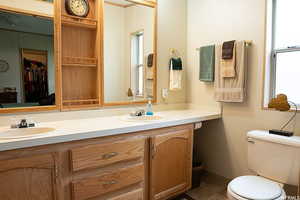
[(285, 49), (138, 62)]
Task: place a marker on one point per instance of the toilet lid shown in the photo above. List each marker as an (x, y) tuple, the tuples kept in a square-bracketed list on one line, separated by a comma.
[(255, 187)]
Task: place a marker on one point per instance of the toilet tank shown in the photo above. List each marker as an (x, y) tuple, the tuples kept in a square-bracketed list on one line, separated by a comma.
[(274, 157)]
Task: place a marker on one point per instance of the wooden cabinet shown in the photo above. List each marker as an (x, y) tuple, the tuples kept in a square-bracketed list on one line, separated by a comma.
[(122, 162), (147, 165), (32, 178), (100, 155), (171, 163), (98, 185)]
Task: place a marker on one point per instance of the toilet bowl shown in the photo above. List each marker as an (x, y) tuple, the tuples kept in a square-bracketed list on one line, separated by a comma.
[(272, 157), (254, 188)]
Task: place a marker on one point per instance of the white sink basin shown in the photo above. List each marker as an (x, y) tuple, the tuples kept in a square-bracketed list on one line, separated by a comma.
[(144, 118), (24, 132)]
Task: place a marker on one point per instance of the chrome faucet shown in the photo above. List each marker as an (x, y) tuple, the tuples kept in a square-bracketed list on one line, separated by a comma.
[(23, 124), (137, 113)]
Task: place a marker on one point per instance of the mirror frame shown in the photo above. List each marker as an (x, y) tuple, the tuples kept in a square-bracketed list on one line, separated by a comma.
[(56, 56), (153, 5)]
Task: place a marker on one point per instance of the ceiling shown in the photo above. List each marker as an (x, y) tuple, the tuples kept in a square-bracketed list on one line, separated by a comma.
[(26, 23)]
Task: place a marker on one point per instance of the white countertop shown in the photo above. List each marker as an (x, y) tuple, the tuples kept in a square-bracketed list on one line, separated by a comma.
[(71, 130)]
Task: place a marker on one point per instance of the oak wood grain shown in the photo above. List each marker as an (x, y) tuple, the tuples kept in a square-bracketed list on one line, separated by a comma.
[(98, 155), (30, 178), (171, 163), (101, 184)]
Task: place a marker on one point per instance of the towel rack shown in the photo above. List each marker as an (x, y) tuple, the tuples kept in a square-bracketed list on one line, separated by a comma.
[(247, 42), (174, 52)]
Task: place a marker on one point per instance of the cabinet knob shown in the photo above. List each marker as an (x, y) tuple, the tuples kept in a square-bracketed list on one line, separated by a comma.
[(112, 182), (110, 155), (249, 140)]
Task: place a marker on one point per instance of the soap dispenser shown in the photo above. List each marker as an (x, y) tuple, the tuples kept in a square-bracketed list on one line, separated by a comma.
[(149, 110)]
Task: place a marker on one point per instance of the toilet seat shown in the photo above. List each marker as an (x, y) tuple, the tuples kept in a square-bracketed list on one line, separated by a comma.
[(254, 187)]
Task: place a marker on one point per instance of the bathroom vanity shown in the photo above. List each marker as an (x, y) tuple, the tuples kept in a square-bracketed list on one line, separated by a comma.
[(128, 161)]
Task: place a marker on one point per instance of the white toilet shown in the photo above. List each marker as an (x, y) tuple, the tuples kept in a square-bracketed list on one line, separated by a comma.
[(274, 157)]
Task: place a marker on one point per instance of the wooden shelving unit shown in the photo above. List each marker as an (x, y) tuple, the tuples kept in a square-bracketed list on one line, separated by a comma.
[(79, 22), (79, 101), (79, 60), (81, 55), (79, 65)]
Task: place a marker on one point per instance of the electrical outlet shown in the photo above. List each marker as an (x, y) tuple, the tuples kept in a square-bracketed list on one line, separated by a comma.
[(165, 93), (198, 125)]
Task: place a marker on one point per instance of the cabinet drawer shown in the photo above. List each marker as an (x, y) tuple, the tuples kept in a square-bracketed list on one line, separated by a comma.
[(101, 184), (133, 195), (99, 155)]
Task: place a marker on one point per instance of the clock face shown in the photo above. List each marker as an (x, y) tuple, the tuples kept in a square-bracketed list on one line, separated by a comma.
[(78, 7), (4, 66)]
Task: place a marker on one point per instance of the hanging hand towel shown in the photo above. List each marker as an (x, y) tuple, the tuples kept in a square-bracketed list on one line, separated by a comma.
[(228, 50), (231, 89), (207, 63), (150, 60), (228, 65), (175, 74)]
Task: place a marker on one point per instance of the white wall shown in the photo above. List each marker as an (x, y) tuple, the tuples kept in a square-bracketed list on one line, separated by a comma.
[(11, 43), (171, 34), (223, 142)]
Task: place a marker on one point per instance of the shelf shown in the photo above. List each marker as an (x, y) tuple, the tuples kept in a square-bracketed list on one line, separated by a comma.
[(79, 22), (79, 60), (80, 65), (80, 101), (80, 104), (80, 107)]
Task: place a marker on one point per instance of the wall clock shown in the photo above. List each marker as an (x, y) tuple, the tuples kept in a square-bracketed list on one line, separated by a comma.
[(79, 8), (4, 66)]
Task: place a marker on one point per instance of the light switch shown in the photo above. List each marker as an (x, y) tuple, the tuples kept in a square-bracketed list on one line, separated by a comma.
[(165, 93)]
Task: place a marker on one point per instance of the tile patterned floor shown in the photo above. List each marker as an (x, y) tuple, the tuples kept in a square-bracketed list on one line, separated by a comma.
[(214, 187)]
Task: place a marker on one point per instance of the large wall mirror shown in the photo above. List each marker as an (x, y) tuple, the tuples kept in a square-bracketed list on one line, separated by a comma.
[(129, 52), (27, 61)]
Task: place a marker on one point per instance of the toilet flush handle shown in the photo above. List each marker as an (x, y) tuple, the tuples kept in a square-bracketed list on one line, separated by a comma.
[(250, 140)]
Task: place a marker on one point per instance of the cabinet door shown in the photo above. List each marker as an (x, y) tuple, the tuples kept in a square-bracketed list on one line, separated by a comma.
[(32, 178), (171, 164)]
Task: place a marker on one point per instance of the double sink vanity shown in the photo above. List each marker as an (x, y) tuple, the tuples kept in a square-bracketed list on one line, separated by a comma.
[(115, 158)]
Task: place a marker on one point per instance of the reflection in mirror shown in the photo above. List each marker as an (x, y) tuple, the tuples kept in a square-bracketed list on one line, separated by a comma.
[(27, 72), (128, 51)]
